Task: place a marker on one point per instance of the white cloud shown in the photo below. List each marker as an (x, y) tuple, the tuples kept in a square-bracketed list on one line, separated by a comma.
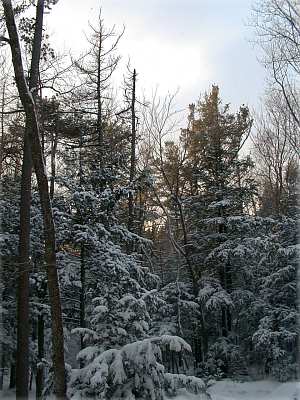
[(174, 43), (169, 64)]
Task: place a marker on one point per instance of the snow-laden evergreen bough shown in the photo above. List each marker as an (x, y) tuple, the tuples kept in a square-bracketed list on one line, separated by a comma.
[(119, 357), (120, 360), (133, 372), (262, 299)]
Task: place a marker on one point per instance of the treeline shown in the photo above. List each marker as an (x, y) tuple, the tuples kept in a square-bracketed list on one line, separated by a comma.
[(147, 263)]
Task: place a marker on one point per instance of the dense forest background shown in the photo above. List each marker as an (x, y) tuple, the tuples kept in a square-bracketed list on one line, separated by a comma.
[(140, 252)]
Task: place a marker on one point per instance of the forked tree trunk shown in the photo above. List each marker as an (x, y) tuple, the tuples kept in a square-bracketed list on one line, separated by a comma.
[(22, 359), (49, 229)]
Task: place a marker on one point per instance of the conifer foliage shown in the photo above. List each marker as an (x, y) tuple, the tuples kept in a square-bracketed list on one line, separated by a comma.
[(160, 265)]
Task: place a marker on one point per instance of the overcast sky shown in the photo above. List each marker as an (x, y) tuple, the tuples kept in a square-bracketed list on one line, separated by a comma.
[(189, 44)]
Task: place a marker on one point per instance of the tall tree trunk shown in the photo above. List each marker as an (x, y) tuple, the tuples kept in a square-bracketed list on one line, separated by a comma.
[(2, 363), (40, 367), (49, 229), (141, 217), (42, 127), (53, 163), (82, 293), (82, 255), (22, 359), (31, 378), (99, 104), (132, 155), (12, 377), (2, 130)]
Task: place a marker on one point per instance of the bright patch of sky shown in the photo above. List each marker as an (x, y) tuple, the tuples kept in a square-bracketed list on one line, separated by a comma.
[(185, 44)]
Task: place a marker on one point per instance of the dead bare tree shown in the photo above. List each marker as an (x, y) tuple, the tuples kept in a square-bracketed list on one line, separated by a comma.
[(130, 113), (96, 68)]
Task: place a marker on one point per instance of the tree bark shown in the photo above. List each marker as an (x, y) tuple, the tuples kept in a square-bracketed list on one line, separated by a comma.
[(12, 377), (22, 358), (99, 103), (82, 256), (2, 363), (132, 155), (82, 293), (2, 130), (40, 368), (49, 229), (53, 163)]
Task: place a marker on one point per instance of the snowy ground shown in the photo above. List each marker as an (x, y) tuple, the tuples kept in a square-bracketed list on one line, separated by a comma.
[(228, 390), (258, 390)]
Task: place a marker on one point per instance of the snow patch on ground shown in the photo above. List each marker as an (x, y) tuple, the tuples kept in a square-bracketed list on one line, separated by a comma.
[(258, 390), (184, 395), (226, 390)]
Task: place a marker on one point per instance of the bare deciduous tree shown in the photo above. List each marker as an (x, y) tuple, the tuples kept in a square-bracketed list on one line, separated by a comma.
[(277, 28), (276, 144), (161, 121)]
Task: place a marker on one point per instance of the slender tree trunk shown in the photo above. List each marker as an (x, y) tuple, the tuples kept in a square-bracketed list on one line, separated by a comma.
[(49, 229), (12, 377), (82, 255), (42, 127), (22, 358), (82, 293), (31, 378), (99, 104), (2, 363), (53, 164), (142, 203), (2, 130), (40, 367), (132, 156)]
